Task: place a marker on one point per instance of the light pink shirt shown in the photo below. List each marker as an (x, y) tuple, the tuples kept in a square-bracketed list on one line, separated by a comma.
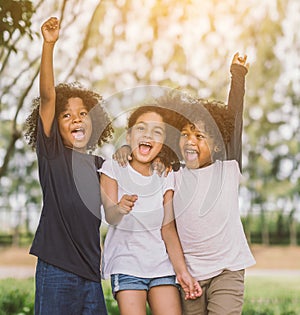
[(208, 221)]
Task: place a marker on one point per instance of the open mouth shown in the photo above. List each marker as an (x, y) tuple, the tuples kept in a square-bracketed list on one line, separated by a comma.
[(190, 155), (145, 147), (78, 133)]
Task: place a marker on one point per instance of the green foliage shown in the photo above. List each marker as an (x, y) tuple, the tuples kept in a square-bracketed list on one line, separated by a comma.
[(111, 303), (15, 16), (264, 295), (278, 226), (24, 239), (187, 44), (16, 297), (278, 295)]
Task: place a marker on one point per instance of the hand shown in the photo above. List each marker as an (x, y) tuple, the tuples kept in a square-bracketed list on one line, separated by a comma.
[(195, 293), (240, 60), (158, 166), (50, 30), (123, 155), (126, 203), (190, 286)]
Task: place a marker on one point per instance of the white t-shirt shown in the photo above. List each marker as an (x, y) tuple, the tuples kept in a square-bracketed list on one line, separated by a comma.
[(208, 220), (135, 246)]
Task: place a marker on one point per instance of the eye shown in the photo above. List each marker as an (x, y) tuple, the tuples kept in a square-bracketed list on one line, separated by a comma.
[(84, 113), (183, 134), (66, 115), (158, 132), (140, 128), (200, 136)]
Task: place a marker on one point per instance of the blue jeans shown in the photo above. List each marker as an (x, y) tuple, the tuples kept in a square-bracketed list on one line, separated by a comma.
[(59, 292)]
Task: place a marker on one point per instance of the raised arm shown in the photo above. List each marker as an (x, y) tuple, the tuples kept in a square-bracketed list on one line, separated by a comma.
[(239, 68), (50, 32)]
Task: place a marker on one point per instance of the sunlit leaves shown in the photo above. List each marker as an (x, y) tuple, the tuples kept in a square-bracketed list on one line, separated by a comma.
[(15, 16)]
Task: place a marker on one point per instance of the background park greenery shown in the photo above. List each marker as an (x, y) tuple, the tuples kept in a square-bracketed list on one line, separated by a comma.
[(263, 296), (112, 46)]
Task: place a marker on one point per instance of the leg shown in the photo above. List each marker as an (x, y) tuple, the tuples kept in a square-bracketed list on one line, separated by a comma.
[(226, 293), (93, 298), (56, 291), (164, 299), (130, 293), (198, 306), (132, 302)]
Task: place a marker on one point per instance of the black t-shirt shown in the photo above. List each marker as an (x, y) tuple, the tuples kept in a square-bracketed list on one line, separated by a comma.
[(68, 233)]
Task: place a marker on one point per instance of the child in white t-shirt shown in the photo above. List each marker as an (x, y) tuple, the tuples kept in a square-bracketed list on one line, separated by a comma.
[(206, 196), (142, 252), (207, 216)]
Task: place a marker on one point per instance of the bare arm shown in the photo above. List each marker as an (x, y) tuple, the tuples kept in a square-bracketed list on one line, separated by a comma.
[(50, 31), (169, 234), (114, 210)]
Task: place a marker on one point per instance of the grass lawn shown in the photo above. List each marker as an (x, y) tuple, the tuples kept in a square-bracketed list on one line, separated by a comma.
[(16, 297), (278, 294), (264, 295)]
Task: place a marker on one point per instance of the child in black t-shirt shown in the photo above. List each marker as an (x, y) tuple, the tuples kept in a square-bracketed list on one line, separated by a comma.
[(66, 122)]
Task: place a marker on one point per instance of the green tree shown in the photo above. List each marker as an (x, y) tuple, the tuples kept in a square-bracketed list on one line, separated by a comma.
[(15, 17), (112, 46), (272, 121)]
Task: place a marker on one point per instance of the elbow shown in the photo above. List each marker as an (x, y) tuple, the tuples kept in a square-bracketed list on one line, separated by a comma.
[(111, 221), (168, 230)]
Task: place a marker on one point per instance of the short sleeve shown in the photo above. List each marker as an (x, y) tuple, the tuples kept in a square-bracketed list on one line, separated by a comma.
[(50, 146), (108, 168), (169, 182)]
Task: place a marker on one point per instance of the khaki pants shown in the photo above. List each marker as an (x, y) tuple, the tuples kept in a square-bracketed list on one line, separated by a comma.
[(222, 295)]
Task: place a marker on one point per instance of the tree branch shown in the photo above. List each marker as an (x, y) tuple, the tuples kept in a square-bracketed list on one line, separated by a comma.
[(16, 133), (85, 41)]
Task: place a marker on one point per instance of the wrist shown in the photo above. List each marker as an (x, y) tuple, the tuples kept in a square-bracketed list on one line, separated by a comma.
[(181, 272), (49, 43), (126, 146), (119, 209), (237, 69)]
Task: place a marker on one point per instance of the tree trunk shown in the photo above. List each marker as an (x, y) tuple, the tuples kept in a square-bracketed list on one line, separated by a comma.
[(293, 229)]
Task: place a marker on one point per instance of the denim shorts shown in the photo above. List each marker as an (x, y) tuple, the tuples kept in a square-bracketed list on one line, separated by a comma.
[(63, 293), (120, 282)]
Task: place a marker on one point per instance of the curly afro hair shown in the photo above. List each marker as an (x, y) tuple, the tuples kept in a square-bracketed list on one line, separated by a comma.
[(221, 115), (217, 118), (102, 128)]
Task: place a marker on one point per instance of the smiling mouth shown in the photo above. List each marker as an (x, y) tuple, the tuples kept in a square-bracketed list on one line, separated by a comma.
[(145, 147), (78, 133), (190, 155)]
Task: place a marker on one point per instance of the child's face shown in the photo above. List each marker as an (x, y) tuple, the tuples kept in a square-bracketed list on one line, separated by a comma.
[(146, 137), (196, 146), (75, 125)]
